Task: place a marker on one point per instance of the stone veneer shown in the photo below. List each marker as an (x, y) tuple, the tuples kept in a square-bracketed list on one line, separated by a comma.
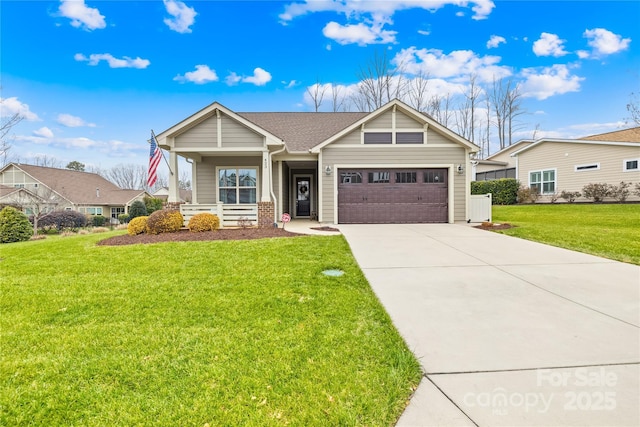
[(265, 214)]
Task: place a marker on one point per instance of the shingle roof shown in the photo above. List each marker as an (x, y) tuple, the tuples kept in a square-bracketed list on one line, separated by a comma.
[(625, 135), (302, 131), (80, 187), (5, 190)]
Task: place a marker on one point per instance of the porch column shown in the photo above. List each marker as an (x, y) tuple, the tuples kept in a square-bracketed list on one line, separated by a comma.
[(266, 170), (174, 188)]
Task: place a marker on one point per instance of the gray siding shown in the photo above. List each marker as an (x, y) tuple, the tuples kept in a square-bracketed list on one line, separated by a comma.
[(236, 135), (350, 139), (434, 137), (207, 179), (202, 135), (403, 122), (398, 156), (381, 122)]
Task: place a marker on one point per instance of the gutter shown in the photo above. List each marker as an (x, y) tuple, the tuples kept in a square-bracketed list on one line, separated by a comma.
[(273, 195)]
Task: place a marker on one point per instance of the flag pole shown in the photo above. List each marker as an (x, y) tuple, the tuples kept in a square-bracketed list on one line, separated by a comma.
[(153, 135)]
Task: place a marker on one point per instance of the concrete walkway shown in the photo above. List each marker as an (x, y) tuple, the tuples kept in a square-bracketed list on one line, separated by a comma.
[(508, 332)]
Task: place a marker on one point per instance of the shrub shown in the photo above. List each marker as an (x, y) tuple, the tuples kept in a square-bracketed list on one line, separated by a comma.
[(164, 221), (152, 204), (137, 225), (244, 222), (637, 189), (204, 222), (99, 229), (123, 218), (570, 196), (503, 191), (62, 220), (597, 191), (98, 220), (620, 192), (137, 209), (553, 197), (528, 194), (14, 226)]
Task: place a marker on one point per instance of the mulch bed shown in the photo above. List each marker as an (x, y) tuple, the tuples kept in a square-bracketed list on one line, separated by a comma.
[(492, 226), (187, 236)]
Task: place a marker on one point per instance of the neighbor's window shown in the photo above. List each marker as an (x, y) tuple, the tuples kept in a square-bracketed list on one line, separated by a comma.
[(377, 138), (409, 137), (587, 167), (405, 177), (544, 181), (237, 185), (350, 178), (631, 165), (117, 211), (92, 210), (379, 177)]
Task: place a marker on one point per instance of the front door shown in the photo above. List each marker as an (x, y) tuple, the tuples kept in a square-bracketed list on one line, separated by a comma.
[(303, 196)]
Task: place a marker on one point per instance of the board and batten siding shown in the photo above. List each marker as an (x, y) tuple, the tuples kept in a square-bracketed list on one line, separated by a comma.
[(392, 156), (14, 176), (202, 135), (564, 157), (208, 181)]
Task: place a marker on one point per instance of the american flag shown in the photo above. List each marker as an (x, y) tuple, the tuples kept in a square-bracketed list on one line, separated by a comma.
[(154, 160)]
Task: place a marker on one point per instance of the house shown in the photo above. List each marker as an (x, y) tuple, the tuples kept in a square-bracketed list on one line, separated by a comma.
[(555, 165), (46, 189), (162, 193), (392, 165)]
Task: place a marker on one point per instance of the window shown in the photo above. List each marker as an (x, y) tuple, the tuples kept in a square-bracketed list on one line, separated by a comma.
[(350, 178), (18, 185), (409, 137), (587, 167), (117, 211), (405, 177), (377, 138), (93, 211), (433, 177), (379, 177), (237, 185), (544, 181), (631, 165)]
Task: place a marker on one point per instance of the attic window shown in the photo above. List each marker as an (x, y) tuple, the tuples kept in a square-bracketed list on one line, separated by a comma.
[(377, 138), (587, 167), (409, 138)]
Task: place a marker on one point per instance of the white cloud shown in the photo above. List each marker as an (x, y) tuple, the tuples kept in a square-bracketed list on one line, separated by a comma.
[(80, 142), (360, 34), (457, 64), (260, 77), (289, 85), (11, 106), (583, 54), (604, 42), (328, 46), (549, 81), (43, 132), (424, 32), (72, 121), (81, 16), (203, 74), (125, 62), (182, 16), (232, 79), (494, 41), (549, 45)]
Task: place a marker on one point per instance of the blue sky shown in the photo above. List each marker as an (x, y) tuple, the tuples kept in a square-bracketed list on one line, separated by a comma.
[(92, 78)]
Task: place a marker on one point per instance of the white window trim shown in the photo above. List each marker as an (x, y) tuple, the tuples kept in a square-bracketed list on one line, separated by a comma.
[(542, 171), (597, 167), (217, 178), (624, 165)]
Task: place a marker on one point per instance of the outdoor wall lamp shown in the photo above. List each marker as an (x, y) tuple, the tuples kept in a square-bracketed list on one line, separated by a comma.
[(327, 170), (460, 169)]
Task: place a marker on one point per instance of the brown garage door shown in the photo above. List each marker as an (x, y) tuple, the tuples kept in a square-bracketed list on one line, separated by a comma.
[(379, 196)]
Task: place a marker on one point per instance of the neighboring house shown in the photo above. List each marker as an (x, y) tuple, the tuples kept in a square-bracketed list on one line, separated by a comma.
[(19, 197), (393, 165), (162, 193), (65, 189), (498, 165)]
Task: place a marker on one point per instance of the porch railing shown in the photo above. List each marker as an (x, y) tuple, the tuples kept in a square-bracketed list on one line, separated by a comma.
[(229, 214)]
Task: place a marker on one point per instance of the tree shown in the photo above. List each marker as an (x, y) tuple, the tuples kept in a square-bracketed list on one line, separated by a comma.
[(6, 124), (633, 107), (316, 93), (75, 166), (46, 161), (506, 101), (137, 209), (128, 177), (379, 83), (37, 202), (439, 108), (417, 94)]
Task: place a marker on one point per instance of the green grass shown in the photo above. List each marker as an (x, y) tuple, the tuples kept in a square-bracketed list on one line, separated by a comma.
[(607, 230), (227, 333)]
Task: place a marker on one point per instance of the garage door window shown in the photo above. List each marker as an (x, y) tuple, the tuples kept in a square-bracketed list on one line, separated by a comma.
[(379, 177), (350, 178), (405, 177), (433, 177)]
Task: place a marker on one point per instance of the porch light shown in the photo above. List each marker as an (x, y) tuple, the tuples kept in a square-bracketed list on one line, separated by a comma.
[(327, 170), (460, 169)]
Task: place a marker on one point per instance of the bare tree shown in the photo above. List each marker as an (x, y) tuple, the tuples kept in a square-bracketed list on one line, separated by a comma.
[(37, 202), (439, 108), (316, 93), (129, 176), (633, 107), (184, 182), (506, 100), (338, 98), (416, 93), (379, 83), (47, 161), (6, 124)]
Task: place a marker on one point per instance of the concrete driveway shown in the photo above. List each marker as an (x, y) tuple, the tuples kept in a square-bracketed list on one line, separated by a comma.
[(508, 332)]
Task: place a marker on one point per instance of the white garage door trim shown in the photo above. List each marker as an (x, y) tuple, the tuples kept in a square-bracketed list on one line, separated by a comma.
[(449, 167)]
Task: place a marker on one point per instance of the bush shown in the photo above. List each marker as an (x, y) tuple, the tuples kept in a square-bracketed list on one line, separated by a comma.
[(204, 222), (637, 189), (164, 221), (570, 196), (620, 192), (503, 191), (152, 204), (123, 218), (137, 209), (597, 192), (14, 226), (137, 225), (98, 220), (62, 220), (528, 194)]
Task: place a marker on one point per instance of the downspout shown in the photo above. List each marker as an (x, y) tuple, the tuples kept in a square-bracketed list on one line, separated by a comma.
[(273, 195)]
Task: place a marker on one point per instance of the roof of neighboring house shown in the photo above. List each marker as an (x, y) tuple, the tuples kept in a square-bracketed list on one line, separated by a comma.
[(625, 135), (302, 131), (5, 190), (80, 188), (163, 193)]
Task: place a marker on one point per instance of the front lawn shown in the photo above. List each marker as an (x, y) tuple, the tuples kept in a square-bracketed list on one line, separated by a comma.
[(607, 230), (223, 333)]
